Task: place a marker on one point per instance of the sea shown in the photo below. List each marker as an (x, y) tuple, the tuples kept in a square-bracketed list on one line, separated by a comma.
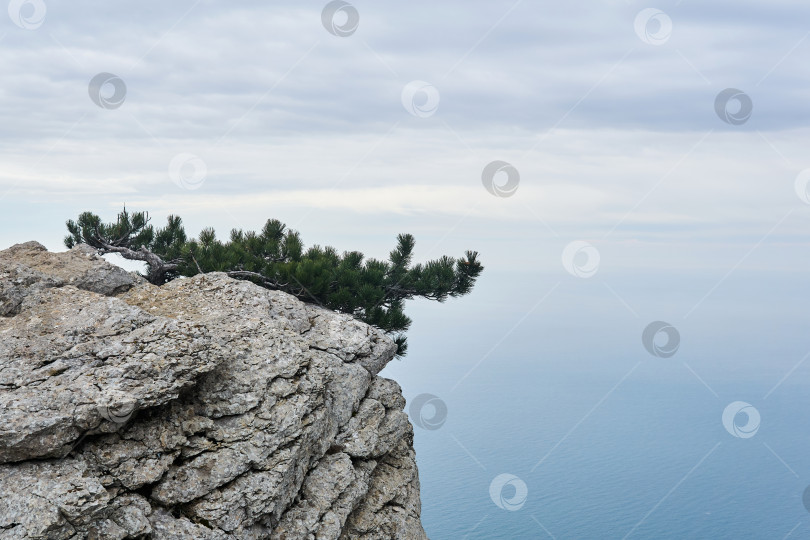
[(620, 406)]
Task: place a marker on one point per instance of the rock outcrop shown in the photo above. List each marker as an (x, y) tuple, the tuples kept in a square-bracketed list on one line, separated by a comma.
[(207, 408)]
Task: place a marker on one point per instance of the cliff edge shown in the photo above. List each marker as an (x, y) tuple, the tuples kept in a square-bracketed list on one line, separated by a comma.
[(208, 408)]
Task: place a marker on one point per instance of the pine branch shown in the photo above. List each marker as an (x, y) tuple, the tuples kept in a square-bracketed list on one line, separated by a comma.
[(264, 281), (157, 266), (374, 291)]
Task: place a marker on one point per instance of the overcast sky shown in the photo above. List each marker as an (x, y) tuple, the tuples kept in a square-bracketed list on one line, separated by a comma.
[(229, 114), (653, 166)]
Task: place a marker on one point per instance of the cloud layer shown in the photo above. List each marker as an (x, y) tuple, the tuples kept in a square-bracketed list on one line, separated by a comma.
[(609, 118)]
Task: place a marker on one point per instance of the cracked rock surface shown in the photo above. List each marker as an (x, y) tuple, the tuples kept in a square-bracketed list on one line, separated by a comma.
[(205, 408)]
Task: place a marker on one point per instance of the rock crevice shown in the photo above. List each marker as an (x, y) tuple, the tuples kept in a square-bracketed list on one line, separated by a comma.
[(205, 408)]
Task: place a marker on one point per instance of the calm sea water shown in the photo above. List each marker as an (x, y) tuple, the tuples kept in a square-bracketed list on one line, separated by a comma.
[(608, 440), (653, 461)]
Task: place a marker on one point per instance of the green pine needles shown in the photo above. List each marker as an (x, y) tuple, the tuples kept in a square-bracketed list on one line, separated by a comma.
[(371, 290)]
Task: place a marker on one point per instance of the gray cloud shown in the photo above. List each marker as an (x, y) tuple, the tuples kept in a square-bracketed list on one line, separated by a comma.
[(283, 112), (195, 70)]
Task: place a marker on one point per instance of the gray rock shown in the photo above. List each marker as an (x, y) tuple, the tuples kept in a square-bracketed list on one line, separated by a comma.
[(49, 500), (73, 362), (29, 267), (206, 408)]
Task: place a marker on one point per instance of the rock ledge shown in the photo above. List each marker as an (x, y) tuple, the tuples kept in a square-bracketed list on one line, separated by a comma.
[(207, 408)]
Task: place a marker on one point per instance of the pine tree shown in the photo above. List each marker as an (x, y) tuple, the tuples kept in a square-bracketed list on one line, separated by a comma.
[(371, 290)]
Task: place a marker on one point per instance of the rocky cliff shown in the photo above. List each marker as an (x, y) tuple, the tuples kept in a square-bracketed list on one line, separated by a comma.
[(207, 408)]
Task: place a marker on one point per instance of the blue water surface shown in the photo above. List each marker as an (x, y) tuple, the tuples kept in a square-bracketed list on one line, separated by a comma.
[(609, 440)]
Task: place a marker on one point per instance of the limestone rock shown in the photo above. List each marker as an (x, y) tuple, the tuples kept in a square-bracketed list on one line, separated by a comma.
[(205, 408), (73, 360), (30, 266)]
